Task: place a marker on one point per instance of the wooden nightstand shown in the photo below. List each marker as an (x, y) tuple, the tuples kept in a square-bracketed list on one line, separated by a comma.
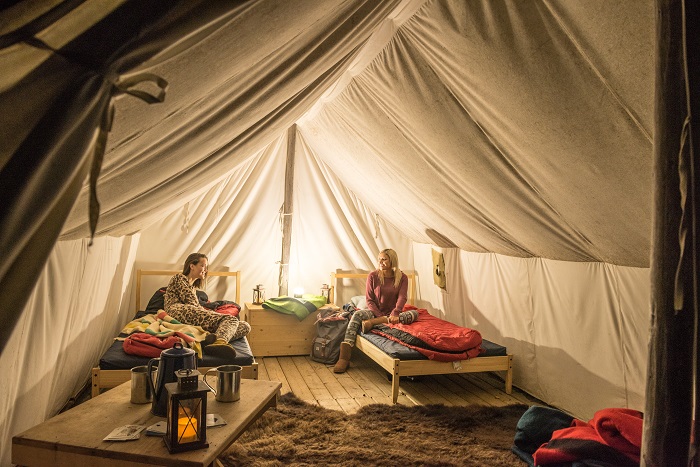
[(277, 334)]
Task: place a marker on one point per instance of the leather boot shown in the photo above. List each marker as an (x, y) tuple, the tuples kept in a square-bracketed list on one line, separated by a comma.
[(209, 339), (221, 348), (368, 324), (344, 359)]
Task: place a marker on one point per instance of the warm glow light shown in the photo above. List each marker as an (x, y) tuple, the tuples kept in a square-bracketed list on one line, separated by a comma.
[(186, 429), (186, 426)]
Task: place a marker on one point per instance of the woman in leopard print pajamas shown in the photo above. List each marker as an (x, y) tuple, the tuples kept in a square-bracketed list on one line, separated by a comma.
[(182, 304)]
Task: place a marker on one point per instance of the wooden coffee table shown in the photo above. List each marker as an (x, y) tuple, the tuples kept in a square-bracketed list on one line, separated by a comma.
[(74, 438)]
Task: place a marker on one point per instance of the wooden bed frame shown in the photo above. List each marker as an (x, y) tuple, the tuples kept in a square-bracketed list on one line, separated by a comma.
[(107, 379), (398, 368)]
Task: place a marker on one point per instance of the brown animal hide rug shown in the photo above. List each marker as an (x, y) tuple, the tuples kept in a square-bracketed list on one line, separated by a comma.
[(301, 434)]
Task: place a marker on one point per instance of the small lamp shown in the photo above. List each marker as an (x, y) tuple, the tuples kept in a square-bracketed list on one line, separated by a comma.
[(258, 294), (187, 412), (326, 292)]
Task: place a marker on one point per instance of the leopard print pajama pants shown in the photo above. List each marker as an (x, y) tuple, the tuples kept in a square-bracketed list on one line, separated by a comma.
[(225, 327)]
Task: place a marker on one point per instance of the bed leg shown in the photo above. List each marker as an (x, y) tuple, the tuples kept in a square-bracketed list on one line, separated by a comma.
[(509, 375), (95, 391), (395, 380)]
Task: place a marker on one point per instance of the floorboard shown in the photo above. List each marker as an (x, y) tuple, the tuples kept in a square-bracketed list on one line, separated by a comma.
[(366, 383)]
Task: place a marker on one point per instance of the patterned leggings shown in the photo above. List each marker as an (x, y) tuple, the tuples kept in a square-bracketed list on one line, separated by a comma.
[(225, 327), (355, 324)]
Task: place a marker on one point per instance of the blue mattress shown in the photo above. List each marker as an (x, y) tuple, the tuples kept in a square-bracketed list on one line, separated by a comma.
[(116, 359), (400, 351)]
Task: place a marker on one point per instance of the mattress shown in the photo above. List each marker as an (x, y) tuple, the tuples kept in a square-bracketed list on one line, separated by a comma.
[(396, 350), (116, 359)]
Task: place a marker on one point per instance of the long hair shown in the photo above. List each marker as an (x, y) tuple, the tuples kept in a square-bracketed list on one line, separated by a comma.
[(394, 258), (193, 258)]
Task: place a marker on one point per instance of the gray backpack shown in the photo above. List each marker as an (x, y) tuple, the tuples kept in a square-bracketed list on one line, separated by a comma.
[(330, 331)]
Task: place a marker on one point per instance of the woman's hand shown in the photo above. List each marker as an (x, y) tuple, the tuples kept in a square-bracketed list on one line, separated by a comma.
[(393, 320)]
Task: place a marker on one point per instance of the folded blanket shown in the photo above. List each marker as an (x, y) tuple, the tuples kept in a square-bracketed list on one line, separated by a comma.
[(620, 429), (162, 325), (300, 307), (612, 435), (147, 345)]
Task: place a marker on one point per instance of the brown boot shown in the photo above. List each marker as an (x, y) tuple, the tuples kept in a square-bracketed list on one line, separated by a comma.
[(344, 359), (368, 324)]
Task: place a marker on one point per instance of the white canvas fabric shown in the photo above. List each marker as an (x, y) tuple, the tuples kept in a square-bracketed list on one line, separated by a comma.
[(515, 137)]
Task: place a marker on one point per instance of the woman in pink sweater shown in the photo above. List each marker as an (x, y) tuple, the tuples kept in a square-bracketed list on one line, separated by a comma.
[(386, 295)]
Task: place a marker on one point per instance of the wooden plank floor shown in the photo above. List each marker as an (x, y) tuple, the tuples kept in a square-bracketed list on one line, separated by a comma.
[(366, 383)]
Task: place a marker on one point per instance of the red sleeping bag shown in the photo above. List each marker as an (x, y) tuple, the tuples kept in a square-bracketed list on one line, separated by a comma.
[(448, 342)]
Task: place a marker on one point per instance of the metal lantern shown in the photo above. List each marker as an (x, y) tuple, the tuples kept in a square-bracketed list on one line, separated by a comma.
[(187, 412), (258, 294), (326, 292)]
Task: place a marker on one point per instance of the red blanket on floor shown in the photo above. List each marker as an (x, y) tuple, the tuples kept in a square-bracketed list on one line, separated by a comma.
[(448, 342), (612, 435)]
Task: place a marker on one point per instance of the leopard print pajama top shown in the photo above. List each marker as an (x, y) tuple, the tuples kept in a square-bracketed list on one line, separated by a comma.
[(182, 304)]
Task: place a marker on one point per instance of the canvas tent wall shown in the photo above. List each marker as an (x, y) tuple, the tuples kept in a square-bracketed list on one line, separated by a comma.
[(518, 134)]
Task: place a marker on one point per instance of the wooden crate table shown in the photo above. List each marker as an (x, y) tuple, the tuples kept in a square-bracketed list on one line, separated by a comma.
[(74, 438), (277, 334)]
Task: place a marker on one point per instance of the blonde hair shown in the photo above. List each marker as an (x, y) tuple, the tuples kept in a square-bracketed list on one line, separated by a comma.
[(394, 258)]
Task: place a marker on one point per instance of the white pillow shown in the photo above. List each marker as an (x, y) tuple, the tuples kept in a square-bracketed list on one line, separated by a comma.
[(359, 302)]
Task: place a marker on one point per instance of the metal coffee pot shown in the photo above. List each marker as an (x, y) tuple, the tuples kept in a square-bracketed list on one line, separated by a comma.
[(170, 360)]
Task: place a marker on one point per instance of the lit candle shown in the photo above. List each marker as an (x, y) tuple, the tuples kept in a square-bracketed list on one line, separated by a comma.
[(187, 429)]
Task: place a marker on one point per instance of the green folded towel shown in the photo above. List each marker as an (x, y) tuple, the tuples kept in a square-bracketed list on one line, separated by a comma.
[(301, 307)]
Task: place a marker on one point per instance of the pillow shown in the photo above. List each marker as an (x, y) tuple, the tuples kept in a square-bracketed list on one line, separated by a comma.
[(359, 302), (157, 302)]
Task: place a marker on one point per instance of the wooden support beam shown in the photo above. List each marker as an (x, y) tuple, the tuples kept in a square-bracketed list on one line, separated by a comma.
[(287, 210), (672, 378)]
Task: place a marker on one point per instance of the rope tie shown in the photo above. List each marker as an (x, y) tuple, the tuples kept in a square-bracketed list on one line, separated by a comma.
[(683, 173), (185, 227), (124, 86), (119, 88)]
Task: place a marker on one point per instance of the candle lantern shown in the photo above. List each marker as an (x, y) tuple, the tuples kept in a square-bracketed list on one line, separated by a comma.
[(187, 412), (326, 292), (258, 294)]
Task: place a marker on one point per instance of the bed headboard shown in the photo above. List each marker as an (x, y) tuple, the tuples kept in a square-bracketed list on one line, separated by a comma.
[(168, 274), (336, 276)]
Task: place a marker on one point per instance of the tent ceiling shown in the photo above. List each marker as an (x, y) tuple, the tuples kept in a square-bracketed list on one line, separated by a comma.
[(521, 128)]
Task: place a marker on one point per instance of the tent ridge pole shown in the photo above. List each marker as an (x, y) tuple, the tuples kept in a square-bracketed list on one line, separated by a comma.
[(287, 210)]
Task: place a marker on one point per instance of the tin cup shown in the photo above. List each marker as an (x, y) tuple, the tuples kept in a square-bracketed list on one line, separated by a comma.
[(140, 388), (228, 382)]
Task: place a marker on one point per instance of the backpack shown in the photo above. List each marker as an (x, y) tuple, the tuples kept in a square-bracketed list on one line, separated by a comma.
[(330, 331)]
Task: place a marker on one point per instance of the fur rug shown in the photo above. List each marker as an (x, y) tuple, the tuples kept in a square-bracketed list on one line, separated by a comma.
[(300, 434)]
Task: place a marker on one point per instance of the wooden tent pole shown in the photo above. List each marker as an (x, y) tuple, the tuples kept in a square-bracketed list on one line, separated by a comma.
[(287, 210), (692, 48), (672, 349)]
